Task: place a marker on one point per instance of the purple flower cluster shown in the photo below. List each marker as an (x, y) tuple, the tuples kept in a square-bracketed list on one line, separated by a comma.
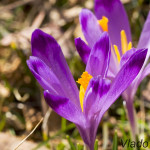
[(111, 66)]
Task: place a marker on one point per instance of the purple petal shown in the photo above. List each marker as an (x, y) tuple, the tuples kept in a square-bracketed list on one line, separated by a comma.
[(145, 73), (127, 94), (126, 56), (133, 88), (118, 20), (95, 91), (113, 65), (97, 88), (88, 132), (124, 78), (90, 27), (83, 49), (65, 108), (44, 75), (47, 49), (111, 75), (144, 41), (98, 61)]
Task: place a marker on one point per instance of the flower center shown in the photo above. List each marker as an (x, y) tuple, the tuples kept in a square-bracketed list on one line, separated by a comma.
[(125, 46), (104, 23), (83, 81)]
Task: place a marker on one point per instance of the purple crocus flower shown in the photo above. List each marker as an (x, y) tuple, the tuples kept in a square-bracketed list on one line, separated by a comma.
[(111, 17), (86, 107)]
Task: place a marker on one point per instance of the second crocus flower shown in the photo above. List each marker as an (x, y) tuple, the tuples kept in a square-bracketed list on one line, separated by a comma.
[(112, 18)]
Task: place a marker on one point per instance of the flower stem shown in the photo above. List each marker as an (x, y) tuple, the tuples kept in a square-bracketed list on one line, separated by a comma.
[(86, 147), (132, 118)]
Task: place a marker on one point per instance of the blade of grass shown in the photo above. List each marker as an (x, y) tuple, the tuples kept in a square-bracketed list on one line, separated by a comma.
[(80, 147), (69, 127), (63, 124), (96, 145), (70, 143), (61, 146), (105, 135), (2, 122), (115, 141), (29, 134)]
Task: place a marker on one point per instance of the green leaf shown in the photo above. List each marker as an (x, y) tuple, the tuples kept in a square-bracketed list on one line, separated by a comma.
[(61, 146), (63, 124), (80, 147), (72, 146), (115, 141), (45, 136), (2, 122), (96, 145)]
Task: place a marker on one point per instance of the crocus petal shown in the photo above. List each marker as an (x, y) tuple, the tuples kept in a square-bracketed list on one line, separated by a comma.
[(144, 41), (90, 27), (110, 74), (145, 73), (97, 88), (95, 91), (88, 133), (64, 107), (114, 64), (118, 20), (47, 49), (44, 75), (126, 56), (83, 49), (138, 80), (98, 61), (129, 93), (123, 79)]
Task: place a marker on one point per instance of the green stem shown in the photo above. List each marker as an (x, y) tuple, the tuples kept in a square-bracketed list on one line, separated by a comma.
[(63, 124)]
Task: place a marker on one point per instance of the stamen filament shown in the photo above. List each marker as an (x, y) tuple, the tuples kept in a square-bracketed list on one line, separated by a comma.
[(81, 96), (129, 45), (124, 43), (117, 53)]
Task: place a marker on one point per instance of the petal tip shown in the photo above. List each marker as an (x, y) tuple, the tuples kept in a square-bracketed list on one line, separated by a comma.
[(76, 40), (105, 35), (36, 32), (107, 4), (46, 92), (84, 13)]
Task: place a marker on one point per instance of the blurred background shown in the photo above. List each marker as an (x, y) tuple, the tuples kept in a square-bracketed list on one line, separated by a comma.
[(21, 98)]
